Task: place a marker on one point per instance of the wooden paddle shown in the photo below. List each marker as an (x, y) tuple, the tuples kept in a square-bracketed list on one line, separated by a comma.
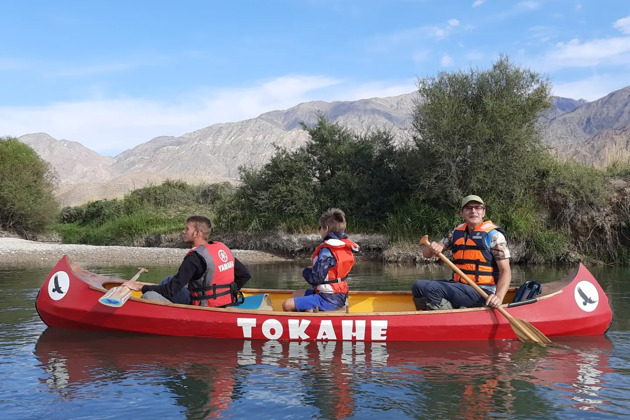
[(117, 296), (525, 331)]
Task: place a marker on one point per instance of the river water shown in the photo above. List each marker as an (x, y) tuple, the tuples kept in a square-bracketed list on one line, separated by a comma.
[(59, 374)]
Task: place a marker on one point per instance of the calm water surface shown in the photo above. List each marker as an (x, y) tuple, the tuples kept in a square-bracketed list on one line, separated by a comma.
[(60, 374)]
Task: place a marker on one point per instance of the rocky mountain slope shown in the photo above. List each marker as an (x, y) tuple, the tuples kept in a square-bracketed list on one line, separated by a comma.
[(595, 132), (589, 119)]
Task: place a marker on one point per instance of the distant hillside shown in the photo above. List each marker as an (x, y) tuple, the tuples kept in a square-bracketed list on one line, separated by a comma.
[(73, 162), (603, 149), (590, 132), (211, 154), (590, 119)]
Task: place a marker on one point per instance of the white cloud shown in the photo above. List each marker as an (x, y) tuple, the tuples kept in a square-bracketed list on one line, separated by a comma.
[(86, 66), (591, 88), (107, 126), (443, 32), (420, 56), (110, 126), (517, 9), (623, 25), (387, 42), (543, 33), (612, 51), (87, 70), (477, 3), (409, 38), (12, 64), (475, 56), (446, 61), (606, 59), (528, 5)]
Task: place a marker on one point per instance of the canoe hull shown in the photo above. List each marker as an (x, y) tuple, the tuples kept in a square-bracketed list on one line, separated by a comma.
[(69, 299)]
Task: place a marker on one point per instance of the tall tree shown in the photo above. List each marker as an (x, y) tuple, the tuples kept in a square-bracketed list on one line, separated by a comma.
[(27, 203), (476, 132), (280, 194)]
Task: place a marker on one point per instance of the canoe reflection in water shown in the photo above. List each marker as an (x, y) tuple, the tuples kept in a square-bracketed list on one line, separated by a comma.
[(229, 377)]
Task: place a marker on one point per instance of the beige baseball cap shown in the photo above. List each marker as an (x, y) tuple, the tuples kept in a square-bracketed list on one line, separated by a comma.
[(470, 198)]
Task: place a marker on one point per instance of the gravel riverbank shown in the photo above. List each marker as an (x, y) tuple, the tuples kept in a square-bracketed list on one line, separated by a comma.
[(17, 251)]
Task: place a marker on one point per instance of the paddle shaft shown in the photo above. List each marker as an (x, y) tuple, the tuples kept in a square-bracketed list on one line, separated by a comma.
[(137, 276), (513, 323)]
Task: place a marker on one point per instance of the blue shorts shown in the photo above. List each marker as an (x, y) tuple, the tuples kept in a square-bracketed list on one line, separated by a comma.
[(311, 300)]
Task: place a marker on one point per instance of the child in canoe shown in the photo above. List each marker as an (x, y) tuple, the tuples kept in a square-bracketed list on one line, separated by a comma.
[(332, 261)]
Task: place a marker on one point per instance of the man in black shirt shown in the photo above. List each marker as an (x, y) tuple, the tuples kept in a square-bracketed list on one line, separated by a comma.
[(207, 263)]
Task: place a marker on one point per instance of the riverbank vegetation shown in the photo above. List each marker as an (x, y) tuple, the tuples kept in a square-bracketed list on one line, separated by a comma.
[(473, 132), (27, 202)]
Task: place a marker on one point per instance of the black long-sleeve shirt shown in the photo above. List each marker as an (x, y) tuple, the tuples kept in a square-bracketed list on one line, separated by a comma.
[(193, 268)]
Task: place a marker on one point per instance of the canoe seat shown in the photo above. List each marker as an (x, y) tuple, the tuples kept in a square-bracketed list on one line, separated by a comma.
[(260, 302)]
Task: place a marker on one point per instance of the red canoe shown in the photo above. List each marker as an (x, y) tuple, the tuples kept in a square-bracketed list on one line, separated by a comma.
[(573, 306)]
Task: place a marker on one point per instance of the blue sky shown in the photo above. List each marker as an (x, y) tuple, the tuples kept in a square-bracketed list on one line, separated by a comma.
[(113, 74)]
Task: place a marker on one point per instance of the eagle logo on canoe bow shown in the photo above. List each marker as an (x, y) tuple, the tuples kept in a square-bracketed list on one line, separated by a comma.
[(587, 299), (57, 288)]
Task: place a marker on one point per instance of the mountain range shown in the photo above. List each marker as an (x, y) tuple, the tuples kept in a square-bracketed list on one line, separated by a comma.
[(595, 133)]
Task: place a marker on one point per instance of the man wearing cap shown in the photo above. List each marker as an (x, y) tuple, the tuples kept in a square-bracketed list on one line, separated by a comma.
[(479, 250)]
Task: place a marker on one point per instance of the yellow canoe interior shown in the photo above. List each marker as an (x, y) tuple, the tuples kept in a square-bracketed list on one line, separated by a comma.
[(358, 301)]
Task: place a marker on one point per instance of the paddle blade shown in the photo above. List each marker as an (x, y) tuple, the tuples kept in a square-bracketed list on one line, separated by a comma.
[(527, 333), (116, 297)]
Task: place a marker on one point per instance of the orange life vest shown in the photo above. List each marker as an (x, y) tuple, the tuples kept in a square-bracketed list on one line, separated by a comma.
[(342, 251), (473, 256), (214, 287)]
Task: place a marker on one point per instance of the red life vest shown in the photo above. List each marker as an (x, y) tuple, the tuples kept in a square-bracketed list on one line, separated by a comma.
[(472, 255), (341, 249), (214, 287)]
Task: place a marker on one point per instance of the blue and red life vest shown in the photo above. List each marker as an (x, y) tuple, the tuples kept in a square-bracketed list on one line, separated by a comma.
[(341, 249)]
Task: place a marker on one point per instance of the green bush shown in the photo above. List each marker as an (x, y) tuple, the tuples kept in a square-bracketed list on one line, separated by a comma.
[(281, 194), (169, 193), (146, 211), (122, 230), (71, 215), (101, 211), (70, 233), (27, 202), (475, 133), (360, 174), (416, 218), (213, 194)]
